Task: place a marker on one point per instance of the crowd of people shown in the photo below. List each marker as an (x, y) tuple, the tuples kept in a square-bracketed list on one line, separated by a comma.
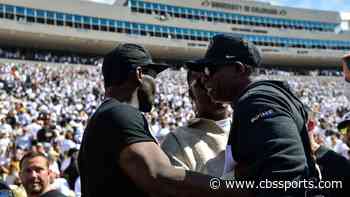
[(46, 108), (49, 56)]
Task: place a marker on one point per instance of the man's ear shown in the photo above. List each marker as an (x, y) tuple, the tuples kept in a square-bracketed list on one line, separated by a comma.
[(139, 74), (242, 68)]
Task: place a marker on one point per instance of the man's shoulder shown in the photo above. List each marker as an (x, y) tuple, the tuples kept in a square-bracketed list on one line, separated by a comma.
[(263, 100), (266, 87), (196, 127), (115, 105), (115, 108), (265, 93)]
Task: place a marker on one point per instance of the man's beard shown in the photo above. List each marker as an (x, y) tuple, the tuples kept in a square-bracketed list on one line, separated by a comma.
[(35, 190), (145, 99)]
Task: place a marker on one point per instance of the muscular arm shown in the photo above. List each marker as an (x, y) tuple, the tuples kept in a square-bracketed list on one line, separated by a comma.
[(175, 152), (148, 166)]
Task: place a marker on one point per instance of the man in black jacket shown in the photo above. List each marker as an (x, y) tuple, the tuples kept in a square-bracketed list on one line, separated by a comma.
[(268, 137)]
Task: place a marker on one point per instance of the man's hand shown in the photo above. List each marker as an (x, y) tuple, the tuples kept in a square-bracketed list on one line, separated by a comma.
[(314, 145)]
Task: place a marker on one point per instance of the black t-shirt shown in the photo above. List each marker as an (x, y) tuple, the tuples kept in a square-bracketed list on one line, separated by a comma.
[(45, 135), (53, 193), (112, 127), (269, 137)]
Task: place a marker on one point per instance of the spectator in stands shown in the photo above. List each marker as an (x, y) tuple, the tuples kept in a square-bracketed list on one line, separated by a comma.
[(35, 176), (71, 173), (200, 145), (338, 146), (344, 129), (47, 56), (333, 166), (268, 136)]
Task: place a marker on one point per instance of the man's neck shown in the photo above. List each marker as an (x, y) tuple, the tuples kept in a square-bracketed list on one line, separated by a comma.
[(243, 86), (124, 97)]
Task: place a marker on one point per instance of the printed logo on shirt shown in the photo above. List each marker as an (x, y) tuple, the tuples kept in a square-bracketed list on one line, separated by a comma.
[(262, 115)]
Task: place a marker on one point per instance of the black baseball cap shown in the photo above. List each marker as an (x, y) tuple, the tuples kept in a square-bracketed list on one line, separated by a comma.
[(225, 49), (345, 122), (125, 58)]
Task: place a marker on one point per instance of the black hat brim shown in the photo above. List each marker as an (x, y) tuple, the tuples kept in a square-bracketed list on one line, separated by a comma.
[(343, 124), (198, 65), (156, 67)]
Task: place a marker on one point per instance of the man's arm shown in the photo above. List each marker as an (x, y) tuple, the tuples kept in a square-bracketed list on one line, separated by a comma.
[(333, 164), (148, 166), (175, 152)]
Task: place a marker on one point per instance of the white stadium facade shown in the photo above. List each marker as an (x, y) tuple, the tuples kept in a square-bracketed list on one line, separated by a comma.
[(175, 30)]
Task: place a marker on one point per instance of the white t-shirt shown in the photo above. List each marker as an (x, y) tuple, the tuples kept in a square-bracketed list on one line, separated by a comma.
[(67, 144), (4, 143), (61, 184), (341, 148), (54, 168), (77, 187), (33, 129), (229, 160), (65, 164)]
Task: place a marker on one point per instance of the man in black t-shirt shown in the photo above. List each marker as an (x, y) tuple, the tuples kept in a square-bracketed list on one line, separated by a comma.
[(118, 155), (268, 137)]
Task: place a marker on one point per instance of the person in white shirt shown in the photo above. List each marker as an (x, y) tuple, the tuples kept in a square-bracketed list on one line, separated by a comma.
[(344, 130), (77, 187), (339, 146), (200, 145)]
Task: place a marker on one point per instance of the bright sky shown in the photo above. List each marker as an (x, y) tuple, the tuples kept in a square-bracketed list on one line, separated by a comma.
[(104, 1), (335, 5)]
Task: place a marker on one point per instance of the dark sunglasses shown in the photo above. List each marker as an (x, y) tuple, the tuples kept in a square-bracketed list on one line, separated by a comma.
[(149, 71), (211, 70)]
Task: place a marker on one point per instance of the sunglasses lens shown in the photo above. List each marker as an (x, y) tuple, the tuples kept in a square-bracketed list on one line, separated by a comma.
[(206, 71), (150, 72)]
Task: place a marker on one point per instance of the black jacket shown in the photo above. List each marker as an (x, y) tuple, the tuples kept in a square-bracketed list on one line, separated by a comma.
[(334, 167)]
